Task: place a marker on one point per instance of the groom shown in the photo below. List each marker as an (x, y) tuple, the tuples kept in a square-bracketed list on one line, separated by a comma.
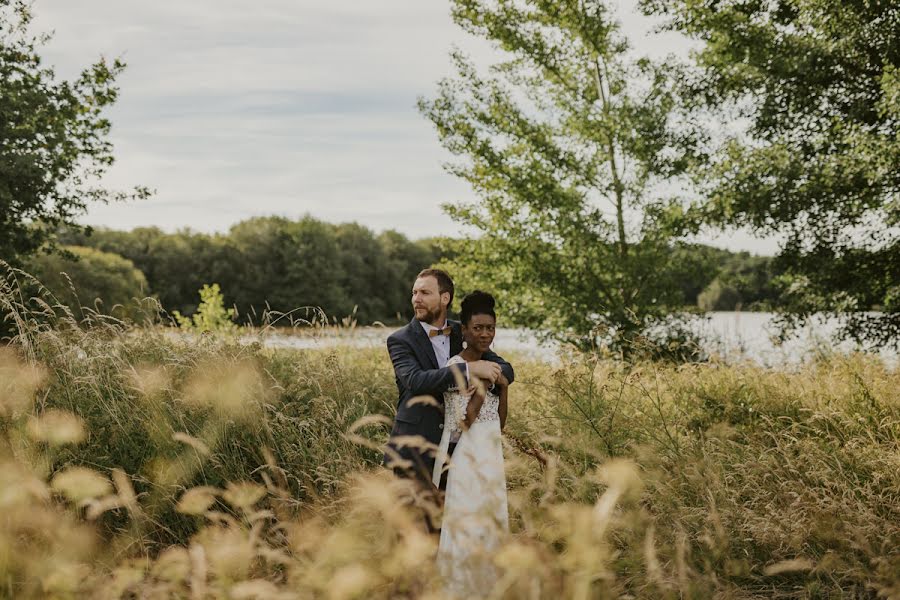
[(419, 352)]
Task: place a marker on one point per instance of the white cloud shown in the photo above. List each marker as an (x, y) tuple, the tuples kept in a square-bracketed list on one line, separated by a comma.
[(233, 109)]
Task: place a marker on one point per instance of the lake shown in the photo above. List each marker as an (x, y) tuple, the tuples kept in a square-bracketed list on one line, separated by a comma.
[(731, 336)]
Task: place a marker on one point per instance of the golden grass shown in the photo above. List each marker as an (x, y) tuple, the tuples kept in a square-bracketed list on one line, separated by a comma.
[(138, 465)]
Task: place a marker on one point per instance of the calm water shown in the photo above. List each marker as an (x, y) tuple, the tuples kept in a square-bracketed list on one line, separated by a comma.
[(733, 336)]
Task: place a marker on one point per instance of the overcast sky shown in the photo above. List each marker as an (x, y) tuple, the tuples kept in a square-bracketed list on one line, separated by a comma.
[(230, 109)]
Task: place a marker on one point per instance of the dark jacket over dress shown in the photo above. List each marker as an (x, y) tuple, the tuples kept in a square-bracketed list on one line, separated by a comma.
[(420, 407)]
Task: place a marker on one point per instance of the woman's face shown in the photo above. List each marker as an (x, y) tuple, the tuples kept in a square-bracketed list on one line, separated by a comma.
[(479, 332)]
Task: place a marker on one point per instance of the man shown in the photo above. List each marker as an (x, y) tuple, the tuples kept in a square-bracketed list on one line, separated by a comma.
[(420, 352)]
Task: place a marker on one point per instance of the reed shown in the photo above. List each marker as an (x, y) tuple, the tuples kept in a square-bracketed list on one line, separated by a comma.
[(135, 463)]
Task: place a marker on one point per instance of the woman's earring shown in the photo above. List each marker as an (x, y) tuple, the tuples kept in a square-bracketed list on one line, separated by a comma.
[(465, 344)]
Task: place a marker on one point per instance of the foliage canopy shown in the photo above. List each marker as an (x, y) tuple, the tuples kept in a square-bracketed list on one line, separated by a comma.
[(818, 84), (54, 145), (565, 140)]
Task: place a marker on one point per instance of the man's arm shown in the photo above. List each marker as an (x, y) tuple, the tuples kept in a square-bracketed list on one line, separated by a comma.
[(418, 381), (505, 367)]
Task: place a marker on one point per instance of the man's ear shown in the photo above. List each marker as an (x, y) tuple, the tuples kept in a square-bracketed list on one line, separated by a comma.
[(447, 305)]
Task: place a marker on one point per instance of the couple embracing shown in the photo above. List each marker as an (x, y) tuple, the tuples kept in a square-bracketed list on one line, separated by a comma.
[(446, 434)]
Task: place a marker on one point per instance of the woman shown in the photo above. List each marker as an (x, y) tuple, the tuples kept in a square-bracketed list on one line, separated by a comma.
[(475, 509)]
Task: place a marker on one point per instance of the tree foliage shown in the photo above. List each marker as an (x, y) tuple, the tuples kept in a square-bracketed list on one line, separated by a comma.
[(565, 140), (54, 145), (80, 277), (276, 264), (818, 84), (743, 282), (211, 315)]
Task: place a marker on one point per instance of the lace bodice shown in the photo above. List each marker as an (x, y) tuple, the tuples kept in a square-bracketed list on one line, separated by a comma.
[(456, 401)]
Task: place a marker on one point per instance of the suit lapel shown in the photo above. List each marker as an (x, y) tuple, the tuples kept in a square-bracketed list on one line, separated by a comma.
[(423, 343), (455, 338)]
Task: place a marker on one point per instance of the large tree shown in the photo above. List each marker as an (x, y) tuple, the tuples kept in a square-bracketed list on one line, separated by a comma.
[(91, 276), (567, 140), (817, 84), (54, 146)]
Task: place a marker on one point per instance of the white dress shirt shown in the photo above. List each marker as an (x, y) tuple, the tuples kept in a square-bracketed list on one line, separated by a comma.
[(440, 343)]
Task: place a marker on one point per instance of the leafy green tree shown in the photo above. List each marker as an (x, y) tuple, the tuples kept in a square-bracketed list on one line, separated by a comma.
[(287, 265), (817, 83), (276, 263), (54, 145), (363, 267), (404, 259), (719, 296), (175, 264), (696, 266), (754, 278), (567, 141), (80, 277)]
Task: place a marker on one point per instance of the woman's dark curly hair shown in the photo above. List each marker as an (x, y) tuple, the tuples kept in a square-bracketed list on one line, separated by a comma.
[(477, 303)]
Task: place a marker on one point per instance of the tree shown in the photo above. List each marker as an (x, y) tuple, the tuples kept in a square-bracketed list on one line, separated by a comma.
[(91, 275), (719, 296), (53, 138), (754, 280), (276, 262), (363, 267), (696, 266), (288, 265), (565, 140), (818, 84), (405, 258), (175, 264)]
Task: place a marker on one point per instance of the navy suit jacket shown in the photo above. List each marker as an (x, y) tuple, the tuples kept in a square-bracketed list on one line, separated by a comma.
[(417, 373)]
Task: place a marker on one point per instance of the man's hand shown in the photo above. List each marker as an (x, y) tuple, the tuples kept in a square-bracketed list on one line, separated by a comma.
[(484, 369), (502, 381)]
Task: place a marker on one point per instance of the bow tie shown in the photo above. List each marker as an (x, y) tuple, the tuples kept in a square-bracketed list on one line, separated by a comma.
[(436, 332)]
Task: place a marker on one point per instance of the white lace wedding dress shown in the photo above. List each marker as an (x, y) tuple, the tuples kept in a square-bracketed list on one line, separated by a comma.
[(476, 516)]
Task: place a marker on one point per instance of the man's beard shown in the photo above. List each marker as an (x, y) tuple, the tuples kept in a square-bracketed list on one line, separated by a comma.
[(429, 316)]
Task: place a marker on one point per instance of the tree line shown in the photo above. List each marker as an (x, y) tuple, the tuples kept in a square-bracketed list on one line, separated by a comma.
[(266, 264), (280, 265)]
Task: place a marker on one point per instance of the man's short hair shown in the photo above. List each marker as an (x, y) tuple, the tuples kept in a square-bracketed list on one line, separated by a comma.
[(445, 283)]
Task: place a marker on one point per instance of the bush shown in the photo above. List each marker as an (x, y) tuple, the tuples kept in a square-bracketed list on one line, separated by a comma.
[(211, 315), (88, 276)]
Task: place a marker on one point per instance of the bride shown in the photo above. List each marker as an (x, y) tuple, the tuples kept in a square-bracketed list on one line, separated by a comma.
[(475, 510)]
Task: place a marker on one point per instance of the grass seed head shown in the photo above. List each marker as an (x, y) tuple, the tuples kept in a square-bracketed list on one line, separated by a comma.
[(56, 428), (19, 381), (198, 500), (80, 484), (243, 495)]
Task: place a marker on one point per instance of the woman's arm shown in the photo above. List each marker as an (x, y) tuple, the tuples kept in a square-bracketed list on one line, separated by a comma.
[(474, 405)]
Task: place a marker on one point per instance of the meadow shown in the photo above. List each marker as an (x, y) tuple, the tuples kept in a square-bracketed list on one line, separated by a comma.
[(138, 464)]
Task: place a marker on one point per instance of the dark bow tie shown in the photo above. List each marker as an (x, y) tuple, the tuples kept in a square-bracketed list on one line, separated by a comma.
[(436, 332)]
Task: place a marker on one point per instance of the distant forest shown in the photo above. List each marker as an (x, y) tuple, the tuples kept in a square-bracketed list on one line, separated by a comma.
[(278, 264)]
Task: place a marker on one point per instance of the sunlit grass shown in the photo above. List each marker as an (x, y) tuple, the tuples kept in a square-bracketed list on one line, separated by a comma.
[(136, 464)]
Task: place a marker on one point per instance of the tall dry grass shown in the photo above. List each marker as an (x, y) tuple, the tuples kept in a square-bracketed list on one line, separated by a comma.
[(137, 464)]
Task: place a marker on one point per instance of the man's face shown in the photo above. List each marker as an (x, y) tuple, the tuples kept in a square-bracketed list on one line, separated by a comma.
[(427, 300)]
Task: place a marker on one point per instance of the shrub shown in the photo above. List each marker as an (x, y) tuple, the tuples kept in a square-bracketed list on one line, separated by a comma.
[(86, 277)]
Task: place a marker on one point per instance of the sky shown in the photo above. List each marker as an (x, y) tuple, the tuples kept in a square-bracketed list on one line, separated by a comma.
[(230, 109)]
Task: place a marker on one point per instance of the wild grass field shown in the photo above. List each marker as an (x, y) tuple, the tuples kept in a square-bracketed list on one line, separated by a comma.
[(137, 464)]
